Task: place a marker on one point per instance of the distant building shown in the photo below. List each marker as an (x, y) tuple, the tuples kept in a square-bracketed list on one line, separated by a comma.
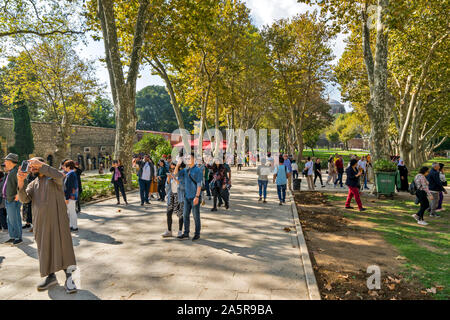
[(336, 107), (85, 140)]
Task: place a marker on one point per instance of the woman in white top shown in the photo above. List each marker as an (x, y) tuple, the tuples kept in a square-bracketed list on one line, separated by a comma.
[(309, 173), (294, 166)]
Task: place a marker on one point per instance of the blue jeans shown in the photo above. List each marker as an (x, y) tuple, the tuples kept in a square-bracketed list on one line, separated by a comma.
[(262, 188), (339, 178), (281, 190), (14, 219), (144, 188), (188, 205)]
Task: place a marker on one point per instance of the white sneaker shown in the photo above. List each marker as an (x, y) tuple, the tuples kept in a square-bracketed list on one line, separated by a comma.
[(167, 234), (415, 216), (423, 223), (180, 233)]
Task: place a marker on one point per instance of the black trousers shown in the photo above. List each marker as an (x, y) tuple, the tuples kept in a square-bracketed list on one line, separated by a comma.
[(3, 223), (221, 194), (318, 174), (295, 174), (162, 188), (118, 185), (424, 203)]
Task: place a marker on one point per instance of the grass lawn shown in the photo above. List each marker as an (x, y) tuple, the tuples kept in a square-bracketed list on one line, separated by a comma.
[(324, 154), (426, 249), (100, 186), (445, 161)]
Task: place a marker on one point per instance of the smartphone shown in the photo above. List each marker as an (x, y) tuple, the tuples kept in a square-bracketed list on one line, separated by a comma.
[(24, 166)]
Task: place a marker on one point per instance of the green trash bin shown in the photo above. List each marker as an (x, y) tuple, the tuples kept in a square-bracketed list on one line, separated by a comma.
[(385, 183)]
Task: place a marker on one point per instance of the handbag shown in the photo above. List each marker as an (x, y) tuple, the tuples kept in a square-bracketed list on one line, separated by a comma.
[(153, 186)]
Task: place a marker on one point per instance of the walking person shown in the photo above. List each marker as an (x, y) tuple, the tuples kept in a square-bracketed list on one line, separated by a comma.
[(339, 163), (403, 170), (331, 171), (423, 194), (118, 179), (175, 203), (162, 176), (309, 171), (219, 182), (444, 184), (78, 171), (280, 177), (145, 174), (71, 193), (318, 172), (192, 176), (12, 203), (294, 169), (288, 165), (3, 223), (435, 186), (362, 165), (50, 223), (263, 171), (206, 180), (353, 185)]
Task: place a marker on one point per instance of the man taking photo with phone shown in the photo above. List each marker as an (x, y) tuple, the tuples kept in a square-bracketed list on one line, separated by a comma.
[(12, 204), (50, 222)]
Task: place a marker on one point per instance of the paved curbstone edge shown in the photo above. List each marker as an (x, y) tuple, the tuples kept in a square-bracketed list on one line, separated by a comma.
[(313, 289)]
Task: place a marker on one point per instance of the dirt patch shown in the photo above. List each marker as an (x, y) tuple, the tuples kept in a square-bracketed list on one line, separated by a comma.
[(341, 250)]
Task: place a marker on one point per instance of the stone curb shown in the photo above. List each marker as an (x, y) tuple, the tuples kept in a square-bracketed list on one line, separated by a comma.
[(311, 283)]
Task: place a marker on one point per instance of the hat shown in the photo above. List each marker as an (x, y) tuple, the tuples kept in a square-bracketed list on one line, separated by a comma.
[(12, 157)]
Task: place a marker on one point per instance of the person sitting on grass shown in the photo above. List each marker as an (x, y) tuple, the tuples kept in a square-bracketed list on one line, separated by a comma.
[(353, 185)]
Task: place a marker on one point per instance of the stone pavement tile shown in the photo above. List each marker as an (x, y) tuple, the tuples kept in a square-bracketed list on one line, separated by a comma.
[(217, 294), (252, 296)]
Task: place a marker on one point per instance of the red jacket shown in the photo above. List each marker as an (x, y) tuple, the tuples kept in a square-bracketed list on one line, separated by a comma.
[(339, 164)]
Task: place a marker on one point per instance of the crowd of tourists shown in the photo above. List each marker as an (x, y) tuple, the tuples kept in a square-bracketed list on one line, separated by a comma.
[(49, 197)]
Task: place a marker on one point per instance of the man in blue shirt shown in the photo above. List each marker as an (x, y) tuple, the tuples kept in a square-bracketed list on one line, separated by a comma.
[(193, 177), (280, 176), (288, 165)]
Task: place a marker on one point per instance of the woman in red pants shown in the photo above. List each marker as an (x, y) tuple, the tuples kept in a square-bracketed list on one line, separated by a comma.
[(353, 185)]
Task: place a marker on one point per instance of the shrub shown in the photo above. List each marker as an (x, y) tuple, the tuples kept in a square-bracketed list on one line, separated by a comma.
[(383, 165)]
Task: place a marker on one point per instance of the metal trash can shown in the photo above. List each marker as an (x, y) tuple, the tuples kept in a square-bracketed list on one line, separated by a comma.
[(297, 184), (385, 183)]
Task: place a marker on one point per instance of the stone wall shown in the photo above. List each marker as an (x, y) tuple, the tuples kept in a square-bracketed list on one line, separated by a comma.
[(84, 139)]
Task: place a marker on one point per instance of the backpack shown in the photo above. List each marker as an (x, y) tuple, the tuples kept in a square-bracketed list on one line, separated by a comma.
[(412, 188)]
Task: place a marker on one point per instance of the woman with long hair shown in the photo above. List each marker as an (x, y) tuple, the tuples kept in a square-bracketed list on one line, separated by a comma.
[(332, 173), (175, 201), (423, 194), (162, 176), (118, 180), (218, 184)]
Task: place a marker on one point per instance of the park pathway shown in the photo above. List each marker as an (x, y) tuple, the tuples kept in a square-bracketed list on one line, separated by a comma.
[(243, 253)]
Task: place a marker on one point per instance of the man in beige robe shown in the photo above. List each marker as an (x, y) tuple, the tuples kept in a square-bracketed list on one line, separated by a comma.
[(50, 221)]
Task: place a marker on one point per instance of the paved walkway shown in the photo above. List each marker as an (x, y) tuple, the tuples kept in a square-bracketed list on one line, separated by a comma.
[(243, 253)]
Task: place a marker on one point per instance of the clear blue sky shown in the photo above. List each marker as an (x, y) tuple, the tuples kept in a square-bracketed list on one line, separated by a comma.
[(263, 12)]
